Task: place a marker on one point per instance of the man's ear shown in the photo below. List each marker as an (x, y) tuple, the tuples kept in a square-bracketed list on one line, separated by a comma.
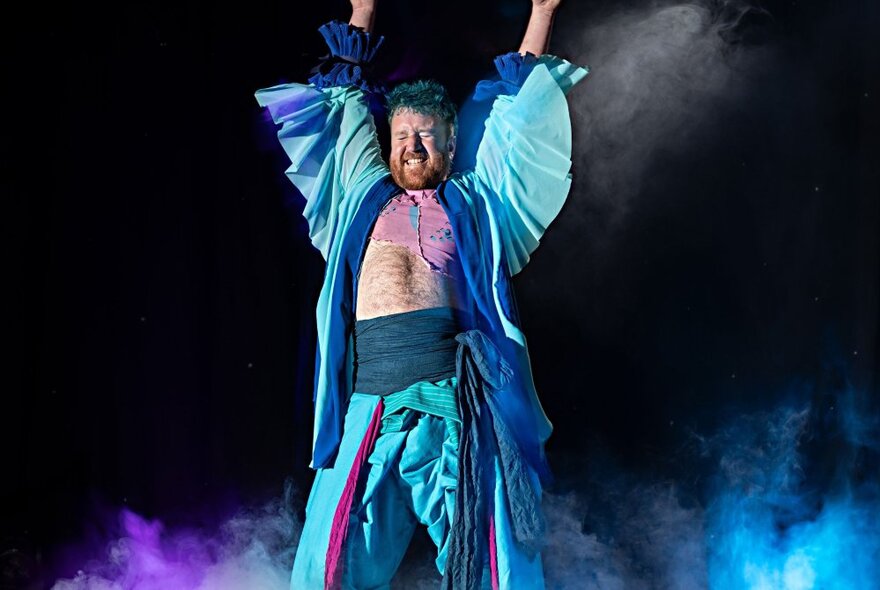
[(450, 146)]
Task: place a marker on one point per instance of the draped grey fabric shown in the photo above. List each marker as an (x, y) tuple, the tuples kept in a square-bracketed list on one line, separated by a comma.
[(481, 372)]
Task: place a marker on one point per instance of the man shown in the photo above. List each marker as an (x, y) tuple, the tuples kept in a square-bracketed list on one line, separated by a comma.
[(425, 408)]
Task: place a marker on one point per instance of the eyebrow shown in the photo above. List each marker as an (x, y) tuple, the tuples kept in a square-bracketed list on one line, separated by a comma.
[(401, 133), (407, 130)]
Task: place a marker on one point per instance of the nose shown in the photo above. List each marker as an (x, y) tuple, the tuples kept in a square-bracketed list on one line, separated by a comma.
[(414, 143)]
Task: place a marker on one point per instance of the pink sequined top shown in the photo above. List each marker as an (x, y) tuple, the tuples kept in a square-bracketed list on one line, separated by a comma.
[(416, 219)]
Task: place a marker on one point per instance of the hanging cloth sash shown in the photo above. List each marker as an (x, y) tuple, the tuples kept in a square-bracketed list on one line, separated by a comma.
[(481, 371)]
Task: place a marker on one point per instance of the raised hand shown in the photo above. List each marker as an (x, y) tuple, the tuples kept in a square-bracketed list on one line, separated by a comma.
[(546, 5), (363, 14)]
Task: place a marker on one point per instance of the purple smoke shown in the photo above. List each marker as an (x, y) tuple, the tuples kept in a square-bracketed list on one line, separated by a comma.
[(253, 549)]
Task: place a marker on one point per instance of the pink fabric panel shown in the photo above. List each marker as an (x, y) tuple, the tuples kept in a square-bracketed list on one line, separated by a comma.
[(416, 219)]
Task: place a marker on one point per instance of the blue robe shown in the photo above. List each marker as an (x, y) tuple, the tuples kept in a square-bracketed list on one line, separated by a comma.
[(514, 183), (498, 209)]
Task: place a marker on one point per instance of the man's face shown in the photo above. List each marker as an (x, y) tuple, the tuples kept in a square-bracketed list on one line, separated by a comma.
[(422, 148)]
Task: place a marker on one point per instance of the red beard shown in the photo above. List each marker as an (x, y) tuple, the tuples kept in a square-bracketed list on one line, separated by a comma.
[(423, 176)]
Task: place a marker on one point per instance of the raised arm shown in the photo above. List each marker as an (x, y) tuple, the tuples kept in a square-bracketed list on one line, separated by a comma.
[(327, 129), (522, 163), (537, 37)]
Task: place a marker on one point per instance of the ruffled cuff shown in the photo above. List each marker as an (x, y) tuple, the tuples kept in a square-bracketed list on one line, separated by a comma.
[(514, 68), (351, 51)]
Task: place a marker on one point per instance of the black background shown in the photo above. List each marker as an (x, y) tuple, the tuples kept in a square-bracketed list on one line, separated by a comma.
[(160, 327)]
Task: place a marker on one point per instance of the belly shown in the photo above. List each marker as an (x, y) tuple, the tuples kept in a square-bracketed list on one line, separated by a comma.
[(394, 279)]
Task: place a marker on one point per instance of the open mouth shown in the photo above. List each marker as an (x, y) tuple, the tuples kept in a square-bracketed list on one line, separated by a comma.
[(415, 161)]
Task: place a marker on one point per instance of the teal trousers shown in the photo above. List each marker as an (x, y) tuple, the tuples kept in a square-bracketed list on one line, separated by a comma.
[(411, 479)]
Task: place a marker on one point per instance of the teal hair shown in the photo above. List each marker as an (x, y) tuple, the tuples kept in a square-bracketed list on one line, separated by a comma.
[(425, 97)]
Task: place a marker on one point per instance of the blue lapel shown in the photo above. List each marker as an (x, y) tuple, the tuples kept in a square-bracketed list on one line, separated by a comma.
[(341, 310)]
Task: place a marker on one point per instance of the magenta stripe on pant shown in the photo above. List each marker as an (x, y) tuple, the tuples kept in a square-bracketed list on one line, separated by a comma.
[(333, 566)]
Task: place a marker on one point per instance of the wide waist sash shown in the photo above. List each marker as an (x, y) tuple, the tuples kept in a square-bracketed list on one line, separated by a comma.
[(394, 351)]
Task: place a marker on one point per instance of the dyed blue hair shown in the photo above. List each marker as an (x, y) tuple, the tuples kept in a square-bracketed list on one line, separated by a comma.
[(425, 97)]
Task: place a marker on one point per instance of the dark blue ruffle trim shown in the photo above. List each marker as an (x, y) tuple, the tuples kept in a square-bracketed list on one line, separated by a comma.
[(352, 43), (513, 68), (330, 73), (351, 51)]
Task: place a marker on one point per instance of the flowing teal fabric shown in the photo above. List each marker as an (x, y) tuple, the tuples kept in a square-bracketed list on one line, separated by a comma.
[(499, 206), (518, 185)]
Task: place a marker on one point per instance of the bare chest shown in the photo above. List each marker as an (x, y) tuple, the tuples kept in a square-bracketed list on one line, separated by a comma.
[(393, 279)]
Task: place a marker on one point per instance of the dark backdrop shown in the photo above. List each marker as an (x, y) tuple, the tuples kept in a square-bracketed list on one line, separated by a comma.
[(160, 324)]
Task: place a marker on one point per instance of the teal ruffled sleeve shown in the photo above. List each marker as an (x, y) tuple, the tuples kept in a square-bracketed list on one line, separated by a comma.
[(523, 161), (328, 132)]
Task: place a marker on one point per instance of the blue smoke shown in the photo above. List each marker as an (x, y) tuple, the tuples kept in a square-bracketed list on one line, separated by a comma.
[(797, 504)]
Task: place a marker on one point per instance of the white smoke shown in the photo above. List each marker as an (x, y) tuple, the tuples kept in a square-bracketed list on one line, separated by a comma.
[(656, 542), (659, 73)]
